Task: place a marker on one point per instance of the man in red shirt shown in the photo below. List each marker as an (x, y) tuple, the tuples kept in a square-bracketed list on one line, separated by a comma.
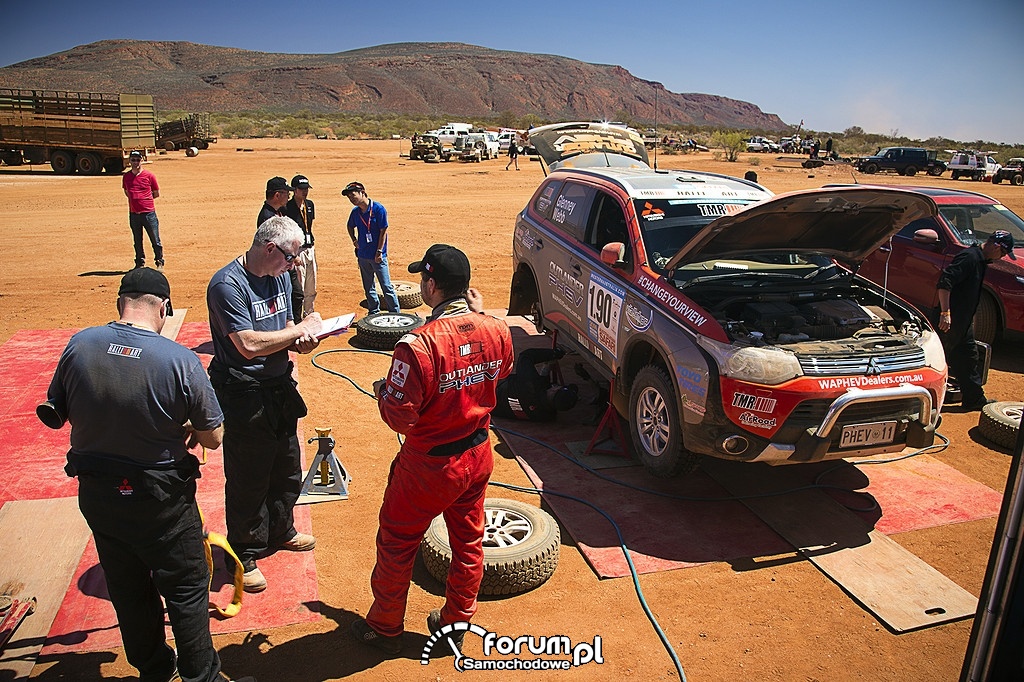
[(439, 394), (141, 188)]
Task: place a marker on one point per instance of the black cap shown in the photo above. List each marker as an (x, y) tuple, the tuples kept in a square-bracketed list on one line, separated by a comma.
[(353, 187), (135, 152), (301, 182), (146, 281), (278, 184), (1005, 240), (448, 266), (565, 398)]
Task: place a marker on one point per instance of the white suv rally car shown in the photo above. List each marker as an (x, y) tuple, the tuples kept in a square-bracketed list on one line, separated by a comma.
[(732, 322)]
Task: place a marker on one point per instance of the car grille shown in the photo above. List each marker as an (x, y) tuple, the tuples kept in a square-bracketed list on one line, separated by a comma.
[(809, 414), (876, 363)]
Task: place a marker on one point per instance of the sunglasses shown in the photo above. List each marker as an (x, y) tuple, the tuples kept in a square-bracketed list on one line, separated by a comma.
[(288, 257)]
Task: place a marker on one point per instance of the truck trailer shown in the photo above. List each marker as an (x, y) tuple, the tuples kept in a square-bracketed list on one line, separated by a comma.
[(87, 132)]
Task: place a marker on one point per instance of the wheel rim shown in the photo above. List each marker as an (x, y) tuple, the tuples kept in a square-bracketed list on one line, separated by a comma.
[(1013, 412), (389, 321), (652, 422), (505, 528)]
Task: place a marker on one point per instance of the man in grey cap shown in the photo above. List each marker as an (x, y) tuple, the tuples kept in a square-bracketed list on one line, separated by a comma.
[(300, 209)]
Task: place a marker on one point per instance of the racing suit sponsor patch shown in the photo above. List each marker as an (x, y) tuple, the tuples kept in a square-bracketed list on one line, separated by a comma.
[(399, 373), (124, 351), (471, 348)]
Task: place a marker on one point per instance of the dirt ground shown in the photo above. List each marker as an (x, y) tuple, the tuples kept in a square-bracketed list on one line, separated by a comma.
[(65, 243)]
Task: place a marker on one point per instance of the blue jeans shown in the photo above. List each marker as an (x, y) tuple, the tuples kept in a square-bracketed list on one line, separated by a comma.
[(368, 269), (149, 222)]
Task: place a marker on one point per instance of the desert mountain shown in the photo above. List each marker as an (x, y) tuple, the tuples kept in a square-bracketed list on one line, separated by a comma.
[(402, 78)]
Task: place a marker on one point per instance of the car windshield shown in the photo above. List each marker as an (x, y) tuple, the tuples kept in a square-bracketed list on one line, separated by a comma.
[(666, 225), (974, 223)]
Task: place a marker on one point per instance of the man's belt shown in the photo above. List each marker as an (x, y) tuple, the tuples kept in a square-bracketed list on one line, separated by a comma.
[(457, 447)]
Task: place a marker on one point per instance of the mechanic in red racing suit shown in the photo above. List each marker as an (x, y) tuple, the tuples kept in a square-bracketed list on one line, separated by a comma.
[(439, 394)]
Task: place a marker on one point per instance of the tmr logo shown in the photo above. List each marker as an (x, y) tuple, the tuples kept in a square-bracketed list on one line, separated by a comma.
[(753, 402), (124, 351), (551, 652)]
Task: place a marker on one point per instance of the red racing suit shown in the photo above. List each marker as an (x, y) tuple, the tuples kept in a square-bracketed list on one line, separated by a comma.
[(439, 394)]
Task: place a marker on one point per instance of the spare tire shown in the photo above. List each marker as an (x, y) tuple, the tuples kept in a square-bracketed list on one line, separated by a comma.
[(521, 544), (409, 295), (382, 331), (1000, 422)]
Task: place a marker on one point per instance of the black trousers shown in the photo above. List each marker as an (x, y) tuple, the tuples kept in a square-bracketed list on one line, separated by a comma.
[(262, 465), (151, 548), (962, 357)]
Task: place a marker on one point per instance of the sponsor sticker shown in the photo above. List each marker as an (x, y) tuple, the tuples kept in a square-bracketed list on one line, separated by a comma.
[(399, 373), (753, 402)]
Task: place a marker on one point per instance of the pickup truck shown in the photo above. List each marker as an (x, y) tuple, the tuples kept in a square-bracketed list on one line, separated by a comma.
[(477, 146), (1012, 172), (762, 144)]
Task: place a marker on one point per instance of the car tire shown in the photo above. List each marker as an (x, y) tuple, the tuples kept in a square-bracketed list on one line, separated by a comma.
[(956, 175), (986, 320), (521, 546), (1017, 179), (996, 179), (910, 171), (655, 426), (409, 295), (62, 162), (871, 168), (381, 331), (935, 171), (999, 422)]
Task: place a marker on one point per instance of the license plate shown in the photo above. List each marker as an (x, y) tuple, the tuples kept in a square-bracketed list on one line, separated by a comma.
[(860, 435)]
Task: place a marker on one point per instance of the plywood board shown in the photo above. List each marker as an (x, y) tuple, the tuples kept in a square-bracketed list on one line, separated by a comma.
[(899, 588), (41, 543), (173, 323)]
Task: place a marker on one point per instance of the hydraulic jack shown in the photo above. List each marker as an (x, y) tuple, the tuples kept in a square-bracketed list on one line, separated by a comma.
[(334, 479)]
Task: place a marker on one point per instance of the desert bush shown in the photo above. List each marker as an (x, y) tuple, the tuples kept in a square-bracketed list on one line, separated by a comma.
[(731, 143)]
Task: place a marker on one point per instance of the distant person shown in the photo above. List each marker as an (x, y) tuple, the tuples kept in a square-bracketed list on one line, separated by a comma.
[(300, 209), (513, 153), (141, 188), (959, 290), (750, 175), (828, 147), (253, 330), (368, 228), (530, 393)]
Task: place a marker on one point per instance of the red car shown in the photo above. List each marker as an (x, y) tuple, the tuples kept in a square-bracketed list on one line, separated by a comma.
[(910, 264)]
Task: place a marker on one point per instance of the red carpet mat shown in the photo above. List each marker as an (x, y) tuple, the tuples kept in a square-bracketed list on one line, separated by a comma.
[(32, 467), (664, 534)]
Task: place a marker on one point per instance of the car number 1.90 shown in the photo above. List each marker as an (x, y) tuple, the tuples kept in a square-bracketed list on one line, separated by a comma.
[(604, 302)]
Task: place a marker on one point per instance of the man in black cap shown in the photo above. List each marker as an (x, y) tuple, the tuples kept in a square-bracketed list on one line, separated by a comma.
[(368, 228), (300, 209), (277, 197), (137, 402), (959, 290), (141, 188), (439, 394)]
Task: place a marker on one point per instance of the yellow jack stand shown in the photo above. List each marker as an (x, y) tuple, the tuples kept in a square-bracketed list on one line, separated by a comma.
[(334, 479)]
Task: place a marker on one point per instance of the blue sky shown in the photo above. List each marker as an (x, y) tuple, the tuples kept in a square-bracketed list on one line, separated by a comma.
[(919, 68)]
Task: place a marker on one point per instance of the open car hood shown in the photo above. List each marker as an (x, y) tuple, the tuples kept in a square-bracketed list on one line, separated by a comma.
[(846, 224), (584, 144)]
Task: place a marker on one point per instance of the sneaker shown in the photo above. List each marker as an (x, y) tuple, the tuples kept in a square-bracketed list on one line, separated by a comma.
[(434, 624), (252, 579), (362, 631), (300, 542), (160, 265)]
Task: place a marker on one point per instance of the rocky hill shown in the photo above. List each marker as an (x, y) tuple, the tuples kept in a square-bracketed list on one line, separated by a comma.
[(402, 78)]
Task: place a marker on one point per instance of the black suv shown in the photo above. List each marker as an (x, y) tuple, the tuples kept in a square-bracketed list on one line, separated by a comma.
[(902, 160)]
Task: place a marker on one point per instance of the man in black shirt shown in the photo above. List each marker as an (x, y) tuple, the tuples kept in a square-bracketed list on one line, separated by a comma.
[(959, 290), (529, 392), (302, 211)]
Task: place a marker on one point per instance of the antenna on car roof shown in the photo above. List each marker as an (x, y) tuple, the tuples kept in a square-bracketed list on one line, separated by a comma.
[(655, 126)]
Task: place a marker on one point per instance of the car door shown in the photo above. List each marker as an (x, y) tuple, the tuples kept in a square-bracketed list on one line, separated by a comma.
[(606, 285), (908, 268), (567, 271)]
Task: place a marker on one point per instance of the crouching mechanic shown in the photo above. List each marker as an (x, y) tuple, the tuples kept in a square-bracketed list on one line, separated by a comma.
[(133, 398), (439, 393), (529, 393)]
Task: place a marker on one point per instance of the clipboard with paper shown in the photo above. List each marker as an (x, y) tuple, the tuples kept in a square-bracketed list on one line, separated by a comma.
[(336, 325)]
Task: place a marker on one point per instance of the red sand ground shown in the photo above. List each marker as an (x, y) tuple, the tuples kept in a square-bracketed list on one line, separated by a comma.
[(65, 242)]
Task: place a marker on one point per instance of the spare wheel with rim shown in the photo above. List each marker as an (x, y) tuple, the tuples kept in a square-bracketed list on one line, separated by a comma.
[(382, 331)]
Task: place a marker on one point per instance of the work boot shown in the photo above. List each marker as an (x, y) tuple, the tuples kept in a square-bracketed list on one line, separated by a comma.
[(434, 625), (160, 265), (252, 578), (300, 542), (362, 631)]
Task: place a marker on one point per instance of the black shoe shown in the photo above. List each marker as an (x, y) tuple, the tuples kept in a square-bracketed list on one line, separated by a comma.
[(977, 405), (362, 631), (434, 624)]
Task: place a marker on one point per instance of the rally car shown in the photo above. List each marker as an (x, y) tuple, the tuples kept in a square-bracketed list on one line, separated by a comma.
[(730, 322)]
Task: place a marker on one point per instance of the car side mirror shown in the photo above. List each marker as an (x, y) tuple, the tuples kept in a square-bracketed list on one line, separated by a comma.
[(613, 254), (926, 236)]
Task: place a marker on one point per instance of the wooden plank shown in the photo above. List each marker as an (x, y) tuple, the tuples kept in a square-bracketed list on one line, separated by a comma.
[(896, 586), (42, 543), (173, 324)]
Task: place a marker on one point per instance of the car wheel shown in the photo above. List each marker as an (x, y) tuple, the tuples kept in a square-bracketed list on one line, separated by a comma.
[(655, 426), (521, 545), (62, 162), (871, 168), (1017, 179), (935, 171), (910, 171), (382, 331), (996, 179), (956, 175), (986, 320), (1000, 422), (89, 163), (409, 295)]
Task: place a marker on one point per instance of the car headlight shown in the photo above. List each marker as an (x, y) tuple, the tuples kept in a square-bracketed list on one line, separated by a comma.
[(934, 355), (760, 365)]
